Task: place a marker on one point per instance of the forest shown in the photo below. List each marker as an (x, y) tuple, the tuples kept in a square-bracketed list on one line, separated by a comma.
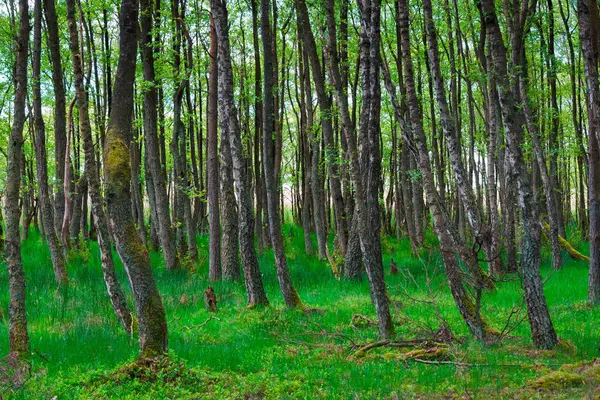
[(280, 199)]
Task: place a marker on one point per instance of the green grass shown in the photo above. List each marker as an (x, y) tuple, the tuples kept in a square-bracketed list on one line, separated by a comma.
[(80, 351)]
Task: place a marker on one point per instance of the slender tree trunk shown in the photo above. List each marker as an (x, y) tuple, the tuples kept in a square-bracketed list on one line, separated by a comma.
[(17, 323), (115, 293), (450, 241), (64, 231), (492, 159), (229, 216), (163, 219), (290, 295), (463, 184), (230, 245), (305, 130), (555, 186), (228, 118), (212, 164), (325, 106), (46, 210), (365, 177), (60, 112), (587, 12), (547, 183)]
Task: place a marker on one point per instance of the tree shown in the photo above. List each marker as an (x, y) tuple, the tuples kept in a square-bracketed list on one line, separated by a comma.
[(212, 163), (17, 323), (327, 125), (149, 307), (60, 111), (365, 176), (587, 12), (542, 329), (46, 209), (115, 293), (230, 130), (283, 275), (450, 242), (151, 140)]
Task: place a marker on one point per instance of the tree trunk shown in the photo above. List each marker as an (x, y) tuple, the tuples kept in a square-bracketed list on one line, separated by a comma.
[(542, 329), (325, 106), (115, 293), (45, 203), (149, 307), (212, 163), (365, 177), (290, 295), (451, 133), (17, 324), (450, 241), (228, 118), (60, 112), (587, 12), (230, 245), (163, 219)]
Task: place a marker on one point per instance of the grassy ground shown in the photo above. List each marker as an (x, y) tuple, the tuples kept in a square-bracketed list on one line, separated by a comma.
[(79, 350)]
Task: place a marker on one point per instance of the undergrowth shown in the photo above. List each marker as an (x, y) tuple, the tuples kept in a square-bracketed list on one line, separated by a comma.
[(80, 351)]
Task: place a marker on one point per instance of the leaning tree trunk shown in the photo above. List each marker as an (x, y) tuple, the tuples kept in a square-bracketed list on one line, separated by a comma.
[(542, 329), (17, 323), (113, 287), (450, 241), (228, 118), (451, 133), (45, 204), (149, 307), (547, 182)]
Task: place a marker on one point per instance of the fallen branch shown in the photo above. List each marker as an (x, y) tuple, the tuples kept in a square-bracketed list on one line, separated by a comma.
[(367, 347), (466, 364), (564, 243), (363, 348), (189, 328)]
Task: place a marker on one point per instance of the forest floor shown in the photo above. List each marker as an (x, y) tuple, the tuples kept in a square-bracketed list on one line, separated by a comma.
[(80, 351)]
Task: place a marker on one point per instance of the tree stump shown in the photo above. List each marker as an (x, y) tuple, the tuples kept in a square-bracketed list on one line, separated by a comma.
[(210, 300)]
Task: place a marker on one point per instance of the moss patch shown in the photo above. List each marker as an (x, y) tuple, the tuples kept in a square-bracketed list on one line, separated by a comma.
[(557, 380)]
